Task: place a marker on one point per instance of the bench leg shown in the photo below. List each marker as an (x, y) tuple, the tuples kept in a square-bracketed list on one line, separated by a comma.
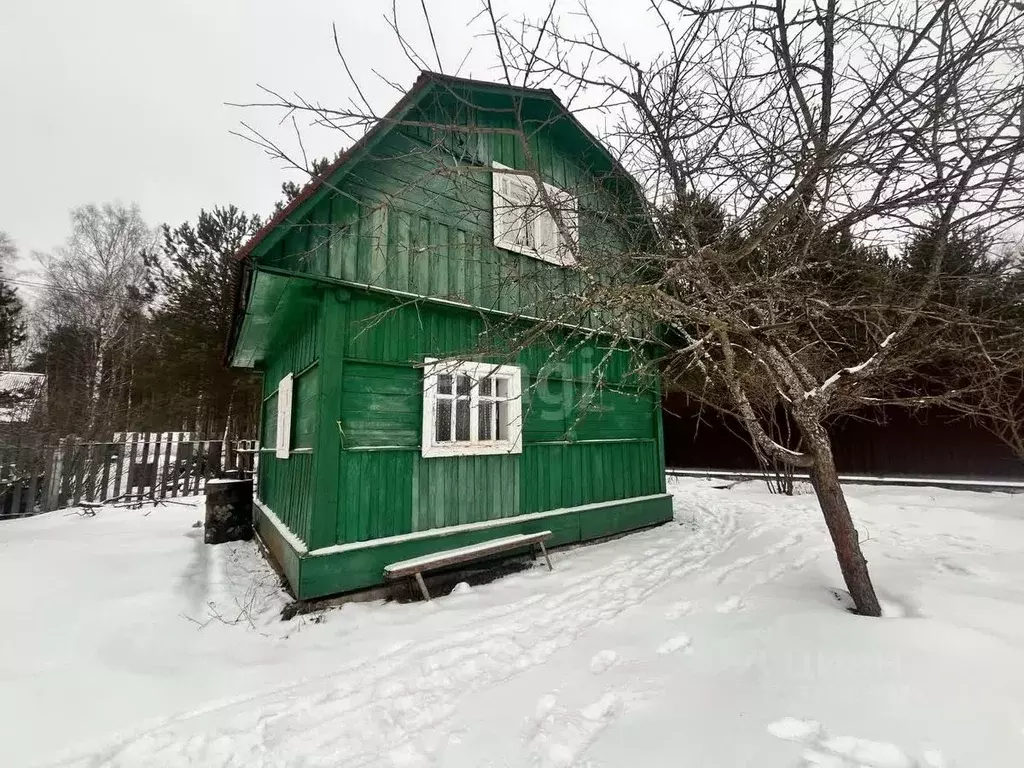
[(547, 559), (423, 586)]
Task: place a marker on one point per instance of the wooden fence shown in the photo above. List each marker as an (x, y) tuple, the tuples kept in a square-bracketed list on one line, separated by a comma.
[(136, 468)]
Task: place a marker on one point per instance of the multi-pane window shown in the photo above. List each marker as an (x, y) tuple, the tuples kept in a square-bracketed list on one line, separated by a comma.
[(524, 219), (471, 408)]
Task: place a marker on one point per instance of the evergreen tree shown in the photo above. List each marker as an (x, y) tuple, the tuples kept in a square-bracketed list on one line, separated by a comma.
[(291, 190), (12, 324), (194, 277)]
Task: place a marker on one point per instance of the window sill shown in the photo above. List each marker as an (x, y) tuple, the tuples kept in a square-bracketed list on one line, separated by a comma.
[(480, 449), (548, 258)]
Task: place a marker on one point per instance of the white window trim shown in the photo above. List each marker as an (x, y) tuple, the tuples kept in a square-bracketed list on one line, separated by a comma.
[(553, 250), (475, 447), (283, 446)]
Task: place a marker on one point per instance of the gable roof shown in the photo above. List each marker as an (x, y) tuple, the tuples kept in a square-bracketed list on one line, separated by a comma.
[(272, 230), (423, 83), (21, 392)]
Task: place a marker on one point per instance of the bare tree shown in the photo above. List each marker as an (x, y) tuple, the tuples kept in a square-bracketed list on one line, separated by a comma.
[(783, 151), (95, 285), (813, 123)]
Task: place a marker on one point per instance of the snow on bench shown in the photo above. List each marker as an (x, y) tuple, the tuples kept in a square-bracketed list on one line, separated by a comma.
[(417, 566)]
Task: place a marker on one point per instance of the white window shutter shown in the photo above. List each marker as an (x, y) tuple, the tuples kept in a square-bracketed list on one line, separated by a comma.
[(569, 245), (518, 209), (429, 403), (284, 417), (546, 233), (504, 212)]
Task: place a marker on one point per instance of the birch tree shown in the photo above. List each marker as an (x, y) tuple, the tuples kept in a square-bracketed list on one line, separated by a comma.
[(95, 284)]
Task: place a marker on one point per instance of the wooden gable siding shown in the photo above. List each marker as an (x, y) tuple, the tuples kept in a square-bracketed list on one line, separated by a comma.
[(286, 485), (415, 216), (601, 450)]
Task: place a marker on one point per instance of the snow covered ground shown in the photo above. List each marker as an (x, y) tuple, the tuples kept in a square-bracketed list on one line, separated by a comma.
[(715, 640)]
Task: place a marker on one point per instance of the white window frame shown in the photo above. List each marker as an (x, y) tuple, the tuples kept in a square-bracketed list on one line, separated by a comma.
[(513, 443), (513, 192), (283, 447)]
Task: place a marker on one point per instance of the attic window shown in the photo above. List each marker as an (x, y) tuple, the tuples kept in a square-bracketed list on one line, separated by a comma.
[(524, 221), (471, 409)]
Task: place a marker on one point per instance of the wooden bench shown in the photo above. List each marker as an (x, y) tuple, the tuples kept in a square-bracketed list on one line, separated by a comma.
[(417, 566)]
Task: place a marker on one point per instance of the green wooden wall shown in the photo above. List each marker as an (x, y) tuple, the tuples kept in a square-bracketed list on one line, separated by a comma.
[(286, 485), (583, 441), (413, 218)]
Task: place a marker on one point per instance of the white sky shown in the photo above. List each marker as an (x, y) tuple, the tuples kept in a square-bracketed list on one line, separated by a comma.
[(125, 99)]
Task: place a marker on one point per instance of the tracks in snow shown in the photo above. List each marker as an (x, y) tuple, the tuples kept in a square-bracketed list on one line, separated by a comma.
[(396, 707)]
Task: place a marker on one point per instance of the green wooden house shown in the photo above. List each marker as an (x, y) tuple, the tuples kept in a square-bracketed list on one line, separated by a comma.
[(394, 423)]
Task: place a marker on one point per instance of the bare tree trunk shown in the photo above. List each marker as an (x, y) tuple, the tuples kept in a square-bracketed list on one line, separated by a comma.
[(825, 480), (96, 383)]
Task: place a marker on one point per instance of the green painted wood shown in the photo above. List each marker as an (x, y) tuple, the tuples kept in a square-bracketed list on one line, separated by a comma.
[(326, 508), (279, 547), (286, 485), (414, 215), (657, 464), (306, 408), (360, 568)]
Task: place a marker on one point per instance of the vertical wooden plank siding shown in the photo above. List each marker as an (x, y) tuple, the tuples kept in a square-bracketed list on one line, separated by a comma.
[(399, 224), (386, 488), (287, 485), (81, 455), (168, 472), (186, 457), (18, 481), (327, 440)]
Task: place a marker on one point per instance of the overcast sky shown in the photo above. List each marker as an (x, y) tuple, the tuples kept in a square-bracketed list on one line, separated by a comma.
[(124, 100)]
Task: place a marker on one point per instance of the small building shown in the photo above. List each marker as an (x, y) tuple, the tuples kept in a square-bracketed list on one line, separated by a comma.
[(395, 422), (22, 397)]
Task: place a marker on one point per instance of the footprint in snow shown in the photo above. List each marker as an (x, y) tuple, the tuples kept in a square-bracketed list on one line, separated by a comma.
[(731, 605), (791, 729), (847, 751), (562, 735), (603, 661), (677, 643), (678, 610), (604, 707)]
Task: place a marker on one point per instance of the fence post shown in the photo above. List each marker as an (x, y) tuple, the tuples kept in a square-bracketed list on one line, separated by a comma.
[(53, 485)]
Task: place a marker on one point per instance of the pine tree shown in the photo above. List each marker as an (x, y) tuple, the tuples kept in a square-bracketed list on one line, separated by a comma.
[(291, 190), (194, 276), (12, 324)]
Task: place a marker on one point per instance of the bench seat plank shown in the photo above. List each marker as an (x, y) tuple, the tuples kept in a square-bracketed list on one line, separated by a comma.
[(462, 554)]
